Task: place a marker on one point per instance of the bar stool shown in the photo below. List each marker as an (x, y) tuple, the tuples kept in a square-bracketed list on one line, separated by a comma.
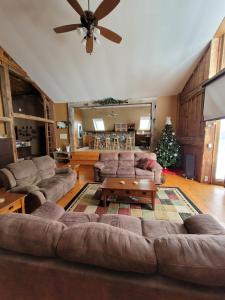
[(107, 143), (129, 143), (97, 142), (116, 143)]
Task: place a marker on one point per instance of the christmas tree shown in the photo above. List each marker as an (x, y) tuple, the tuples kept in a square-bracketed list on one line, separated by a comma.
[(168, 150)]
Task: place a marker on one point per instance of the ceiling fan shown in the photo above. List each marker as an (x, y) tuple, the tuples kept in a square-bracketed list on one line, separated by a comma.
[(89, 28), (112, 114)]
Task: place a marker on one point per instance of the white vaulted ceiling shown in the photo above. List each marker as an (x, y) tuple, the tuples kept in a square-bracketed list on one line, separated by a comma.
[(162, 42)]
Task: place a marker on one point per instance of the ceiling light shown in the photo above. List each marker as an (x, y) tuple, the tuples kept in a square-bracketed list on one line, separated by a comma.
[(89, 28)]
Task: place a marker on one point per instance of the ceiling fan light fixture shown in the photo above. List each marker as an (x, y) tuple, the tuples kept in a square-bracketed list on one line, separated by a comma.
[(96, 32), (88, 28), (84, 41), (97, 42)]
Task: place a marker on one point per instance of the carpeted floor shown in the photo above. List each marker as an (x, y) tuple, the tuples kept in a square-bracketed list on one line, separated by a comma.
[(171, 204)]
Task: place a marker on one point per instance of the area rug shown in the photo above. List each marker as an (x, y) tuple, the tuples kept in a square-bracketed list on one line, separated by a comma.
[(170, 204)]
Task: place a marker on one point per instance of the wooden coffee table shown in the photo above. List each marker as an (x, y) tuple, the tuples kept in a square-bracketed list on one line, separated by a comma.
[(143, 192), (11, 202)]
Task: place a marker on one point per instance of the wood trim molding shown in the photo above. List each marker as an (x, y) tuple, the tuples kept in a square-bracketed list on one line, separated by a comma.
[(5, 119), (193, 141), (71, 126), (8, 108), (33, 118)]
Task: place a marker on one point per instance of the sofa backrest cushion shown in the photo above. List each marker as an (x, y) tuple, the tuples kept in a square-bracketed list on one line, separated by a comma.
[(24, 172), (203, 224), (195, 258), (108, 247), (46, 166), (126, 159), (142, 155), (109, 156), (29, 234)]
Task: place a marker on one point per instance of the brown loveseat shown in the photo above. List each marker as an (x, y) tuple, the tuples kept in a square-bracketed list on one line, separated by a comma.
[(124, 164), (53, 255), (39, 179)]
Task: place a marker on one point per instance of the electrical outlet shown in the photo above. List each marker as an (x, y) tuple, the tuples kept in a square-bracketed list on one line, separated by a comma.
[(206, 178)]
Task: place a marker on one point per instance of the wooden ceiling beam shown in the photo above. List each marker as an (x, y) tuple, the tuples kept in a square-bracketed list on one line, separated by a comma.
[(33, 118)]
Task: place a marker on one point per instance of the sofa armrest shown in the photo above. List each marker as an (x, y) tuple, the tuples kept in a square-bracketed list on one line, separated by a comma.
[(65, 170), (157, 169), (99, 165), (203, 224), (33, 200), (7, 179), (24, 189), (49, 210)]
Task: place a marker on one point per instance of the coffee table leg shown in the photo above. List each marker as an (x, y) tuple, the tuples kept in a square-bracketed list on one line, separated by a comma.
[(153, 200), (104, 198)]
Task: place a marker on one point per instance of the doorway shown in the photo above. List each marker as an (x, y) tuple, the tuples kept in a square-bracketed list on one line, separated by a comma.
[(219, 161)]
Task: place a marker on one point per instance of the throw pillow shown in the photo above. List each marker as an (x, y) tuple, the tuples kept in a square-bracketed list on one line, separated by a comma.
[(142, 163), (151, 164)]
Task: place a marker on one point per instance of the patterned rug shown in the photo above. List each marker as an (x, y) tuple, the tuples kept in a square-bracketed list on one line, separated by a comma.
[(170, 204)]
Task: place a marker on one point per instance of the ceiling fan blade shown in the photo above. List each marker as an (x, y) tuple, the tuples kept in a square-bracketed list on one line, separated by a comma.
[(110, 35), (66, 28), (75, 5), (89, 45), (105, 8)]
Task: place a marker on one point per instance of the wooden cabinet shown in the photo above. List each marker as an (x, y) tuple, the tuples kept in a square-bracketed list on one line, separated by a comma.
[(11, 202), (24, 152), (6, 152), (120, 127)]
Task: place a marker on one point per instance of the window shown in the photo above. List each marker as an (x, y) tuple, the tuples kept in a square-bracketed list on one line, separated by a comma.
[(144, 123), (99, 124)]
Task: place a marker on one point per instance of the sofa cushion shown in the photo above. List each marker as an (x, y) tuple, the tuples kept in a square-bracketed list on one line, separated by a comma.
[(126, 163), (157, 228), (126, 156), (45, 165), (74, 218), (29, 234), (25, 172), (68, 179), (109, 170), (195, 258), (108, 247), (144, 173), (106, 156), (203, 224), (129, 223), (126, 172), (49, 210), (52, 188)]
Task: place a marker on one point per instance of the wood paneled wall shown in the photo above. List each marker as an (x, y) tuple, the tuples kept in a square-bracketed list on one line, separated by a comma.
[(7, 115), (61, 114), (78, 120), (194, 134)]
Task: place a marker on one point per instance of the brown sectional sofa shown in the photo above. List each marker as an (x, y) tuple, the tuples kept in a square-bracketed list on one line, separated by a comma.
[(56, 255), (124, 164), (39, 179)]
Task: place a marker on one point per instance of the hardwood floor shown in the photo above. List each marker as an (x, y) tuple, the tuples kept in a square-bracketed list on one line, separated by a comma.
[(208, 198)]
